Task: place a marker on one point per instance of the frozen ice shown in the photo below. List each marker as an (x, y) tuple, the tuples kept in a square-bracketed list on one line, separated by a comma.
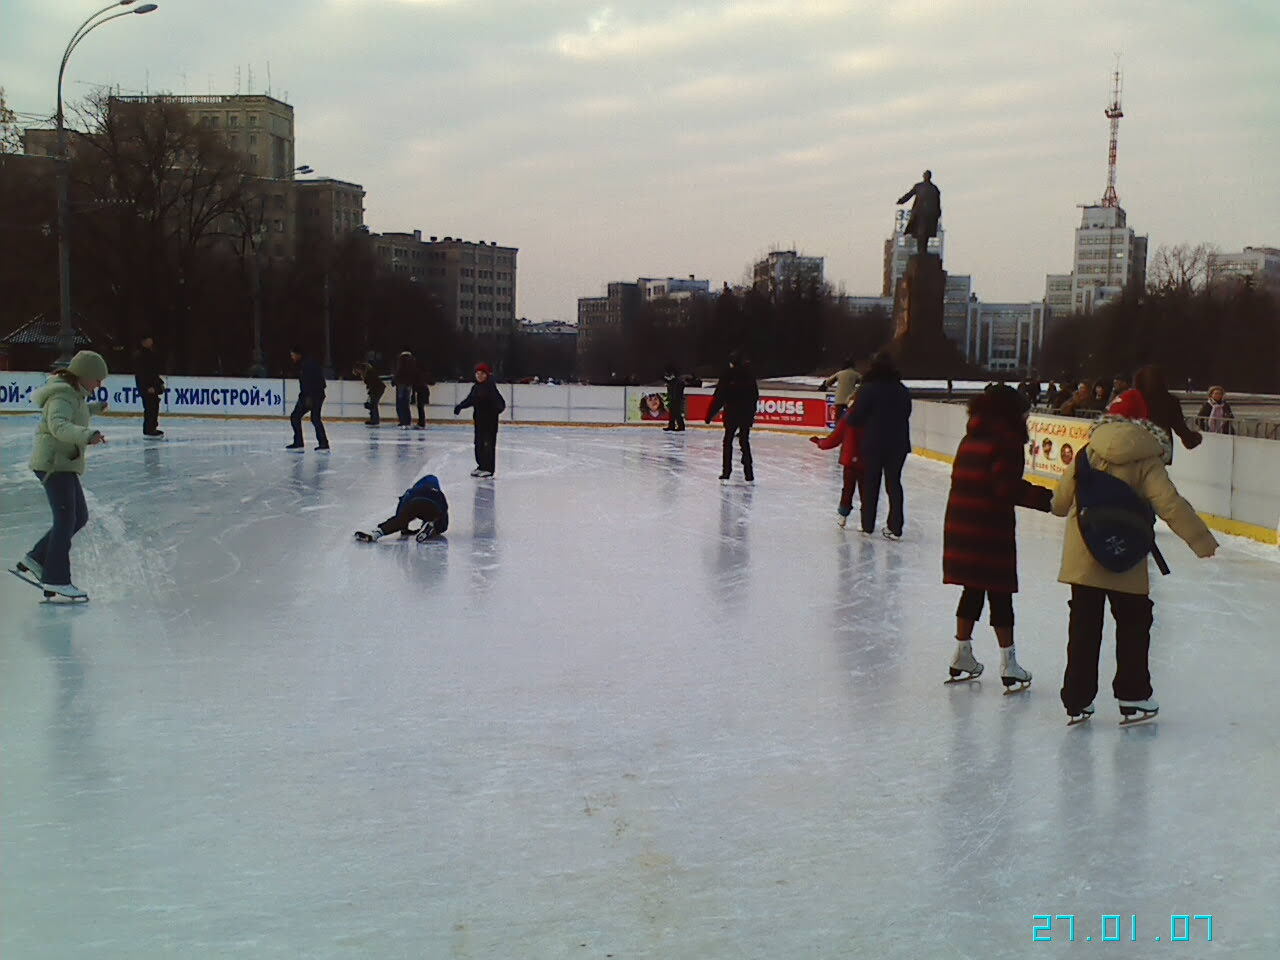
[(622, 710)]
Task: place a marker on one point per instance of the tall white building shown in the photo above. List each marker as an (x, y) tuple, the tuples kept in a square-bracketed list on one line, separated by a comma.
[(786, 269), (673, 288)]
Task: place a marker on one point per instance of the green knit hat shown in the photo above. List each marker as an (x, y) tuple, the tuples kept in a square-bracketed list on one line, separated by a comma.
[(87, 365)]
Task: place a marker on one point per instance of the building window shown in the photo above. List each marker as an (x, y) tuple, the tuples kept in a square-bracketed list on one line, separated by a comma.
[(253, 119), (253, 139), (233, 121), (253, 161)]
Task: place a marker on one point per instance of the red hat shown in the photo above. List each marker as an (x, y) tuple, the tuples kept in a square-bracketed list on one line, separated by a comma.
[(1131, 405), (485, 367)]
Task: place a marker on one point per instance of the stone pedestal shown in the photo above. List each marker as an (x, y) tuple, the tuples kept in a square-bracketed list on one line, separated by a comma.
[(919, 346)]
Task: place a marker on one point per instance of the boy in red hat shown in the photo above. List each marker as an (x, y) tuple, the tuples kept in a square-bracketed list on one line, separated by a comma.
[(486, 404)]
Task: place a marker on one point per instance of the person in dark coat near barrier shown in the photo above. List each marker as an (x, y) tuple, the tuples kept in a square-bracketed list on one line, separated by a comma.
[(374, 389), (146, 377), (675, 399), (405, 376), (736, 394), (486, 405), (311, 389), (979, 535), (883, 410)]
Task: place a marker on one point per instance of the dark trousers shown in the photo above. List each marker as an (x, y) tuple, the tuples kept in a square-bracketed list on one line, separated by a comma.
[(486, 443), (677, 414), (423, 510), (889, 466), (304, 404), (743, 433), (852, 474), (70, 513), (420, 397), (372, 406), (1133, 616), (150, 412), (403, 396), (970, 606)]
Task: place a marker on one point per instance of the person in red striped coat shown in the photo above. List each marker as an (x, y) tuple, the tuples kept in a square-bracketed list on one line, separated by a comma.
[(979, 538)]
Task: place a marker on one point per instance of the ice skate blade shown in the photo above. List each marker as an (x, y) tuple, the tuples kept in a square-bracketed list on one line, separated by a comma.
[(958, 678), (24, 577), (58, 599), (1128, 720), (1015, 686), (1075, 721)]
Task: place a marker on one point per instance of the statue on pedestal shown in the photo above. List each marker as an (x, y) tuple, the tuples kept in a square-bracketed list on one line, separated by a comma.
[(925, 212)]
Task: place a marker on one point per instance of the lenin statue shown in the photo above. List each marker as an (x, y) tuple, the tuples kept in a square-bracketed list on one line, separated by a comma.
[(925, 212)]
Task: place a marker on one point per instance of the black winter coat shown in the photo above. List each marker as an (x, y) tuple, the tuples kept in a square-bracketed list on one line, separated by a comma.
[(146, 375), (675, 389), (374, 384), (737, 395), (485, 401), (883, 410), (311, 379)]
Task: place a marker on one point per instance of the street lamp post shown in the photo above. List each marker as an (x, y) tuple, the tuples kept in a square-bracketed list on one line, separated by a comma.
[(66, 336)]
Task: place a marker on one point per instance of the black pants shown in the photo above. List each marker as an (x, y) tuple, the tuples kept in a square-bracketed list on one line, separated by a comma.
[(1133, 616), (420, 398), (743, 433), (889, 466), (677, 414), (423, 510), (304, 404), (970, 606), (150, 412), (486, 443)]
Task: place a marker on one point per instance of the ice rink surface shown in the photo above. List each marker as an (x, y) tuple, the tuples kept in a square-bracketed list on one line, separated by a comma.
[(624, 711)]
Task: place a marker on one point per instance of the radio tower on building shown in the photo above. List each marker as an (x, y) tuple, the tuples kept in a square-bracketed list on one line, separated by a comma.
[(1114, 113)]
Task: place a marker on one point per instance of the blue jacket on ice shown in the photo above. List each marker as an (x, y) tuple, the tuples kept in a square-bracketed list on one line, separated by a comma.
[(428, 488)]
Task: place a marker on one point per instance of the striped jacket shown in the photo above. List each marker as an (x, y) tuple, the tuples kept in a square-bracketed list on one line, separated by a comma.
[(979, 537)]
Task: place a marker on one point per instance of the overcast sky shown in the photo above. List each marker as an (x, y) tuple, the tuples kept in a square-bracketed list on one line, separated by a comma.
[(650, 138)]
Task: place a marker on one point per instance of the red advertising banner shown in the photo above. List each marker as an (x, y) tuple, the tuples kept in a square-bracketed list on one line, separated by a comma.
[(779, 411)]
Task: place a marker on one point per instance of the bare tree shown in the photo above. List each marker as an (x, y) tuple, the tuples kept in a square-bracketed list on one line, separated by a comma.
[(1180, 268)]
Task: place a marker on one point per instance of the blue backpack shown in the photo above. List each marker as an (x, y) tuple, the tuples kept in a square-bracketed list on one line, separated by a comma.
[(1117, 525)]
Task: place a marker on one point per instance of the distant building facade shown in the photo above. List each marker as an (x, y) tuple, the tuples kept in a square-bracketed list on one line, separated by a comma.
[(1258, 265), (786, 270), (328, 209), (1004, 337), (1109, 258)]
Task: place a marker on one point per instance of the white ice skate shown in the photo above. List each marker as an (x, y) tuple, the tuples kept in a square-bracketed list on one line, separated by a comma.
[(369, 536), (964, 666), (484, 474), (426, 531), (1012, 675), (1085, 713), (67, 591), (1135, 711), (890, 535), (841, 521), (477, 472), (28, 571)]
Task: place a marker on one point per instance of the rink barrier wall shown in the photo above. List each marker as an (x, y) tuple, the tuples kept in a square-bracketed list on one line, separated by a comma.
[(1231, 480)]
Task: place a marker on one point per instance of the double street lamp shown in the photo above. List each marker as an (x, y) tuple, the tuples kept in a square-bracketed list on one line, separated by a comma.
[(66, 335)]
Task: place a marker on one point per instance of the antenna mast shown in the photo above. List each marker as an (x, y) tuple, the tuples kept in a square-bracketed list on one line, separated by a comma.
[(1114, 113)]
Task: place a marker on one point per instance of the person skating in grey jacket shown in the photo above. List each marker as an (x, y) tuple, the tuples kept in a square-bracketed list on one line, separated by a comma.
[(58, 460)]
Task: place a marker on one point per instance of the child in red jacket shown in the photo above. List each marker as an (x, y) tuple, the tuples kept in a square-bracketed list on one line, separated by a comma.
[(848, 438)]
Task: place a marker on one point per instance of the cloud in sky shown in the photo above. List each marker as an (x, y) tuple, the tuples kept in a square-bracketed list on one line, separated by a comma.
[(644, 137)]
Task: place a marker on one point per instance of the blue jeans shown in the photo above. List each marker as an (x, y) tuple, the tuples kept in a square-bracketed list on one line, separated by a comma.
[(302, 406), (70, 513), (403, 396)]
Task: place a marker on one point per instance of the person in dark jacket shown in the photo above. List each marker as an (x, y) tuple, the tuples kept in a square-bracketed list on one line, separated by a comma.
[(979, 539), (486, 404), (146, 378), (1215, 414), (421, 395), (883, 410), (374, 388), (424, 502), (737, 395), (675, 399), (1151, 400), (311, 388), (405, 377)]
